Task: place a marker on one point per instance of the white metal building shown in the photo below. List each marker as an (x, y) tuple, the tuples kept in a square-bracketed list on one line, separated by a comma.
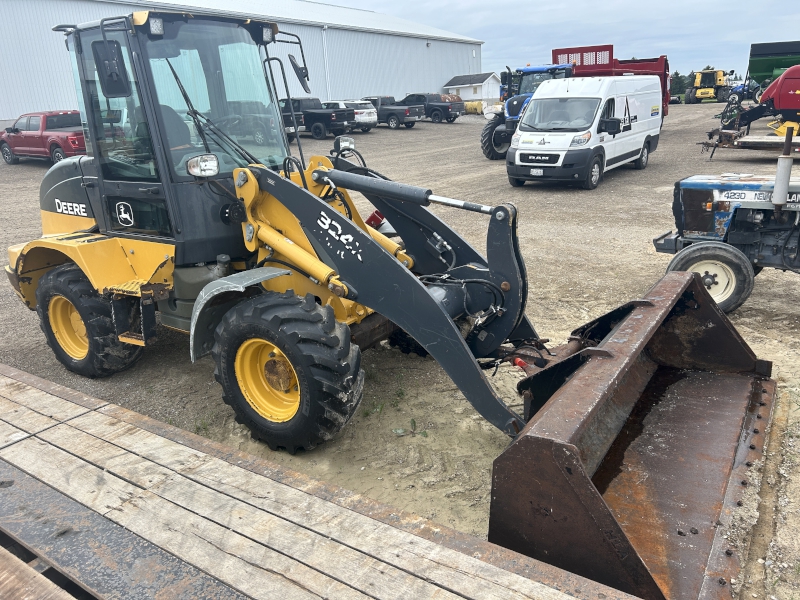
[(481, 86), (350, 53)]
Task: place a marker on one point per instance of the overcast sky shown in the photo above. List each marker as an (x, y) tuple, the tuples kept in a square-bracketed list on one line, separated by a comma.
[(692, 33)]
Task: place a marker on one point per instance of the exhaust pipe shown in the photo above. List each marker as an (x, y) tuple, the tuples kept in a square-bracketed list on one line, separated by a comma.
[(783, 173)]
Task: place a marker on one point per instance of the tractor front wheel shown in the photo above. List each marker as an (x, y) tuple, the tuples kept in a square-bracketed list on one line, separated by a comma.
[(77, 324), (288, 369), (490, 149), (725, 272)]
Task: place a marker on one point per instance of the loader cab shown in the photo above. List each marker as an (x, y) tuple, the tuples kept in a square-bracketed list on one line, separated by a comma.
[(157, 90)]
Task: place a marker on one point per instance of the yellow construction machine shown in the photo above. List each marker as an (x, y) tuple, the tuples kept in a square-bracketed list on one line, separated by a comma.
[(637, 434), (709, 84)]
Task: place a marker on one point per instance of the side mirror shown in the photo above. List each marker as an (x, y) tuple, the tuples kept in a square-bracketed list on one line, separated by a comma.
[(301, 72), (611, 126), (111, 69), (731, 72), (12, 130), (504, 78)]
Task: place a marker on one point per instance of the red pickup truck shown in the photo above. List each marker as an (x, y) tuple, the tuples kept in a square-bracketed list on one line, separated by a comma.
[(54, 135)]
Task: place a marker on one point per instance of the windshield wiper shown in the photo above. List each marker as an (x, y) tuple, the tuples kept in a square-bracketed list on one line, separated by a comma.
[(197, 115), (191, 112)]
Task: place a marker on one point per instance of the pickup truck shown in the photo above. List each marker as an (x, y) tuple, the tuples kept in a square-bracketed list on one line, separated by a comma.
[(394, 114), (438, 108), (311, 117), (54, 135)]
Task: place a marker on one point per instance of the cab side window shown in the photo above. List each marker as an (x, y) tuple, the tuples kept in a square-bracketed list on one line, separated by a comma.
[(34, 123), (608, 109), (21, 124)]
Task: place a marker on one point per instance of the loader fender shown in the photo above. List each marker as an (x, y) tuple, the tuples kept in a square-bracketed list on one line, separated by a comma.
[(217, 298), (110, 263)]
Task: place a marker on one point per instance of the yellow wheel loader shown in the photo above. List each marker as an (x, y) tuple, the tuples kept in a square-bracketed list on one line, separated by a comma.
[(629, 459), (708, 85)]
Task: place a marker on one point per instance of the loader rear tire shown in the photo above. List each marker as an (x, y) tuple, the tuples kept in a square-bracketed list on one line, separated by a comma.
[(725, 272), (77, 324), (288, 369)]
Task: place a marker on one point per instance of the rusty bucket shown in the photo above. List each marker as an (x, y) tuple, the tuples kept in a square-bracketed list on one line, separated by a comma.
[(637, 450)]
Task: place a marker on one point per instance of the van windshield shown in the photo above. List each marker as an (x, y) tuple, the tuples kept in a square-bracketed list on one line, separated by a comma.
[(560, 114)]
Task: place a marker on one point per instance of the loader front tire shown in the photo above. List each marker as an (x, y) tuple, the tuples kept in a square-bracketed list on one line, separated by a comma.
[(725, 272), (288, 369), (77, 324)]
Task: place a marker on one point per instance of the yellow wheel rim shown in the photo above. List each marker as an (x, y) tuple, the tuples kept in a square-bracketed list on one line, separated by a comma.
[(267, 380), (68, 327)]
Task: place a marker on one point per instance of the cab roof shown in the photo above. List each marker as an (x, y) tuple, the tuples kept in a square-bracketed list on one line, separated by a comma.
[(542, 68)]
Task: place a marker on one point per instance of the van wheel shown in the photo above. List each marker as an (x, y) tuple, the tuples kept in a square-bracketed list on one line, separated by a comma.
[(77, 324), (393, 122), (8, 155), (724, 271), (641, 162), (595, 173), (516, 182), (318, 131), (288, 369)]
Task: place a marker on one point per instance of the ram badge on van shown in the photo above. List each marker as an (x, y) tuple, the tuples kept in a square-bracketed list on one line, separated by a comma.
[(577, 129)]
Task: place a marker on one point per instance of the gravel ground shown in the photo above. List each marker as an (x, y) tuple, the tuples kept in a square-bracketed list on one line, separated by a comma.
[(586, 253)]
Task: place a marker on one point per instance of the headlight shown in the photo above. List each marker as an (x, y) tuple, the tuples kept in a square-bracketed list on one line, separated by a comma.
[(581, 140), (205, 165), (515, 140)]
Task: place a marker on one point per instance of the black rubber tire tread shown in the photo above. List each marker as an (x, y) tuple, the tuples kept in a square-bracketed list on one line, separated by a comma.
[(366, 129), (688, 97), (406, 344), (107, 355), (733, 257), (327, 364), (516, 182), (393, 122), (409, 125), (436, 116), (451, 119), (318, 131), (587, 183), (14, 159), (641, 162), (53, 154), (487, 145)]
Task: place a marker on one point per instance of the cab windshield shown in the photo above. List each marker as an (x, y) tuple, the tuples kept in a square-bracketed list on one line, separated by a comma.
[(530, 81), (219, 67), (560, 114)]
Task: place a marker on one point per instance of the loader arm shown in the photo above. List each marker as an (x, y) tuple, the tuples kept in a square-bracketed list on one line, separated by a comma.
[(379, 281)]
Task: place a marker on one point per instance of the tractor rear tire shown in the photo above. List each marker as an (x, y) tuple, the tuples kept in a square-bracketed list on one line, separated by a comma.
[(288, 369), (8, 154), (491, 150), (726, 272), (77, 324)]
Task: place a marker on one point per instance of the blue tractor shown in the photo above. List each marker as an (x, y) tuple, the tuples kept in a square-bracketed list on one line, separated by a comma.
[(516, 90)]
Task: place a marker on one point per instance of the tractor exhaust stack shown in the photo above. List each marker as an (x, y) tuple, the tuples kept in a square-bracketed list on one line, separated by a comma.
[(636, 451)]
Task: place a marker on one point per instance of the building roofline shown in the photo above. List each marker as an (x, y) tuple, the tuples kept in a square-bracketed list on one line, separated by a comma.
[(435, 34)]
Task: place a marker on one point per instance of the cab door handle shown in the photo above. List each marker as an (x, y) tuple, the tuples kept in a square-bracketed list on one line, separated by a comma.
[(152, 190)]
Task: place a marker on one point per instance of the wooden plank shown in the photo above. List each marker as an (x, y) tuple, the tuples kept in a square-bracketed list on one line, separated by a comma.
[(51, 388), (444, 567), (100, 556), (10, 434), (18, 581), (342, 563), (23, 417), (234, 559), (38, 400)]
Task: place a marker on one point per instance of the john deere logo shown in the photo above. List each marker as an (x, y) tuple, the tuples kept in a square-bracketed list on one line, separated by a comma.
[(124, 214)]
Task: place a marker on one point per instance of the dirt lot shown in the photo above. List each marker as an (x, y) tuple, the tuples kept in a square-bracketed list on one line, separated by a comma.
[(586, 253)]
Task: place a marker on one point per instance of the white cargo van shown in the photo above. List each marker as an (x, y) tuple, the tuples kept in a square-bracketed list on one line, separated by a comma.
[(576, 129)]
